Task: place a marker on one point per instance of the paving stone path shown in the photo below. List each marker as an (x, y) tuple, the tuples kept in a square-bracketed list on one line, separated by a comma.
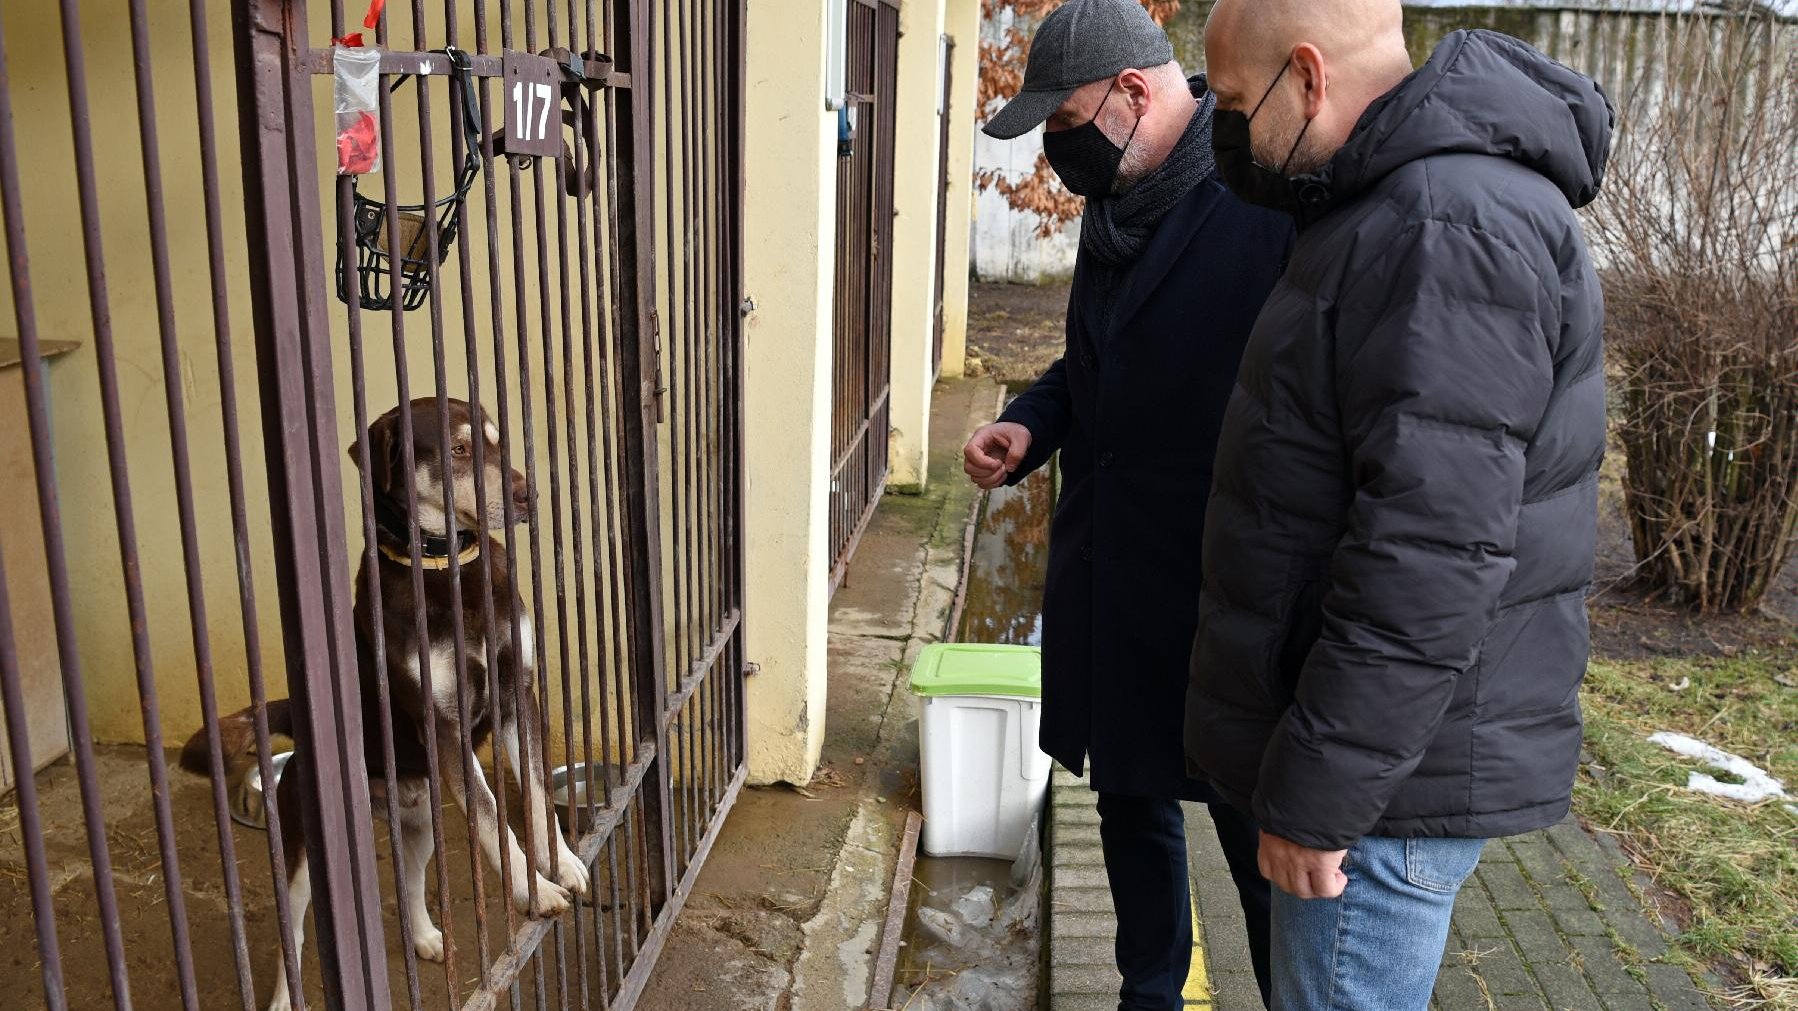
[(1547, 923)]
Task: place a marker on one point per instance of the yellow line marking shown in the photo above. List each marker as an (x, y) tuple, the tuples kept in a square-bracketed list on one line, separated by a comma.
[(1197, 992)]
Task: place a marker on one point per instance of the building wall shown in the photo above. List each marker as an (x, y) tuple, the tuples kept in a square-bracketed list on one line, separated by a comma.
[(790, 175), (916, 187), (961, 20)]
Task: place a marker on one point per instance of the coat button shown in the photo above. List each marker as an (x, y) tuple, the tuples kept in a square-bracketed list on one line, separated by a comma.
[(1106, 458), (1313, 193), (1086, 553), (1087, 359)]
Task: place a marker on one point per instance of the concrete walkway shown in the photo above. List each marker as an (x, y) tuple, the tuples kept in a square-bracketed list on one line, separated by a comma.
[(1551, 921), (785, 914)]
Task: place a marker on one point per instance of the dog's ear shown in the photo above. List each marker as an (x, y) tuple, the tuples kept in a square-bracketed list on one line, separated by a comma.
[(382, 464)]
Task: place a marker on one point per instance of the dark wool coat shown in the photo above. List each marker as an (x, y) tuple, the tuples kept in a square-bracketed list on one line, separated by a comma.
[(1135, 414), (1401, 526)]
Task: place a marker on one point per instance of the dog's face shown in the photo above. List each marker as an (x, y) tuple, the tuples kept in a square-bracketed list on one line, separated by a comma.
[(437, 464)]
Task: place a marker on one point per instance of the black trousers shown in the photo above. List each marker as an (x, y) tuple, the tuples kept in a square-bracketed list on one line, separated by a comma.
[(1145, 858)]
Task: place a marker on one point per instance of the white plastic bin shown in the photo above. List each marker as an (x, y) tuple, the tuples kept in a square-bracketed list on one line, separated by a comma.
[(984, 779)]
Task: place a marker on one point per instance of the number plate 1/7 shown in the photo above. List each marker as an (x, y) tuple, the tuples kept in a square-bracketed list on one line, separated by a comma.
[(533, 99)]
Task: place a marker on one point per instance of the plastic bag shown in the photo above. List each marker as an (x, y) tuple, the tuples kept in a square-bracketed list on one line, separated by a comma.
[(357, 92)]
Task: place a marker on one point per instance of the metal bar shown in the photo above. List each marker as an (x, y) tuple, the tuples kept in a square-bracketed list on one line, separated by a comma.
[(318, 61), (680, 395), (632, 986), (151, 151), (471, 350), (31, 831), (275, 124), (371, 571), (840, 572), (74, 60), (401, 280), (738, 75), (700, 667), (233, 441), (634, 154), (578, 166), (68, 656), (503, 973), (886, 960), (621, 878)]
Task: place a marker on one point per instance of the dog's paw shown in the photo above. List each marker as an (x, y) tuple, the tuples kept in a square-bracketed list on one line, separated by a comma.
[(552, 899), (428, 942), (571, 873)]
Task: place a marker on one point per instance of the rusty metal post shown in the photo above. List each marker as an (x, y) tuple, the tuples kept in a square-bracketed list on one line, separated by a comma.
[(293, 353)]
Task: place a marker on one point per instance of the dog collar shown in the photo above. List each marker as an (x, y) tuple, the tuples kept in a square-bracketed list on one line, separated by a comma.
[(427, 560), (434, 549)]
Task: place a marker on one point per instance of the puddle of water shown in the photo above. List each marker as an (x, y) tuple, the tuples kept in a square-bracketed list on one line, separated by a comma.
[(972, 939), (1009, 562)]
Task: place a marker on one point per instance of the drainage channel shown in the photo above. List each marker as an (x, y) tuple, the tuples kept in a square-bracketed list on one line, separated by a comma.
[(972, 938)]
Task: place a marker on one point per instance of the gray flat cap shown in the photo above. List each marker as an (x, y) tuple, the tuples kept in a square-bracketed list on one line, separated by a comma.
[(1080, 42)]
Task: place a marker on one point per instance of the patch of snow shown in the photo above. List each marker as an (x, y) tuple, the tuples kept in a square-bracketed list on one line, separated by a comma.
[(1757, 785)]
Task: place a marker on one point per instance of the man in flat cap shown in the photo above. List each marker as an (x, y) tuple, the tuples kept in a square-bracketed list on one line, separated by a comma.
[(1171, 272)]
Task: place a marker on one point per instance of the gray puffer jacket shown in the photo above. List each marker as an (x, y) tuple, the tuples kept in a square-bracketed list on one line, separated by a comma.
[(1400, 533)]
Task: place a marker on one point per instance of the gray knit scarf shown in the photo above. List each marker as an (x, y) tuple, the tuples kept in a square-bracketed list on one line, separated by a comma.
[(1115, 229)]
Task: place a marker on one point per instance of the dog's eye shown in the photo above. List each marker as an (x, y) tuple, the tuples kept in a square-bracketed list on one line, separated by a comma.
[(459, 449)]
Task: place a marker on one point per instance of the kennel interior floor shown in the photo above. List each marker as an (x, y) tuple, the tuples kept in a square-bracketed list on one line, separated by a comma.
[(144, 920)]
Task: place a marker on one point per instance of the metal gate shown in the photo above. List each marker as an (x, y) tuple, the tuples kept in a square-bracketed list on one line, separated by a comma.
[(862, 322), (533, 362)]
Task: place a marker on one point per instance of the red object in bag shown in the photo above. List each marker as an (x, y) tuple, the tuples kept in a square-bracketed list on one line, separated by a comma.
[(359, 147)]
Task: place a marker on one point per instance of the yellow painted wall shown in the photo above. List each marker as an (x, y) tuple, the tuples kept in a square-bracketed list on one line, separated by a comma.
[(961, 19), (789, 260), (916, 184)]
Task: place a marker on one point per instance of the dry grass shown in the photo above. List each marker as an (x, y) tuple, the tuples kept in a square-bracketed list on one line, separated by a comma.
[(1733, 867)]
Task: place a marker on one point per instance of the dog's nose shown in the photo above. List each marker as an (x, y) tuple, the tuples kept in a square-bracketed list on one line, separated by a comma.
[(521, 495)]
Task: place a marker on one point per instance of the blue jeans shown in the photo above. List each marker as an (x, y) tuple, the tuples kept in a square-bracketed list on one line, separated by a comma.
[(1378, 945)]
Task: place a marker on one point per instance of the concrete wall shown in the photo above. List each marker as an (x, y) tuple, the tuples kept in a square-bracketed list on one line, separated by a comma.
[(790, 174), (918, 133), (961, 20)]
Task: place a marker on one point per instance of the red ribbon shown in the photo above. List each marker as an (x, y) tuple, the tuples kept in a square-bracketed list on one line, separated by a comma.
[(369, 21)]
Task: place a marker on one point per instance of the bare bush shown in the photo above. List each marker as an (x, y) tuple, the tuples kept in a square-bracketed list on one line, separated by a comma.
[(1697, 237)]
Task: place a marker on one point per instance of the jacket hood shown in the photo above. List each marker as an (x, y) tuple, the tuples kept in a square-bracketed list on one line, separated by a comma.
[(1480, 92)]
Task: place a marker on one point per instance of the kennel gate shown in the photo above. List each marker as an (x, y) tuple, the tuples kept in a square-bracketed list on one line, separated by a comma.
[(589, 304), (862, 313)]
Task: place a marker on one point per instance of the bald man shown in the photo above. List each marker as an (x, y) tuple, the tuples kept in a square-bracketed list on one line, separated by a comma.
[(1400, 533)]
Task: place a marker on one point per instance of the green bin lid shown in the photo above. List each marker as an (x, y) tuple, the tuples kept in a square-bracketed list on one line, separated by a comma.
[(972, 668)]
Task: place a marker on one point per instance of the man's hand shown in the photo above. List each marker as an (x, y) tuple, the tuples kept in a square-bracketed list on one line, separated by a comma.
[(994, 452), (1301, 872)]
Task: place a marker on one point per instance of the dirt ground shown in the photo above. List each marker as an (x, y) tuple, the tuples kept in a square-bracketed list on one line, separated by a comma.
[(1016, 332), (143, 907)]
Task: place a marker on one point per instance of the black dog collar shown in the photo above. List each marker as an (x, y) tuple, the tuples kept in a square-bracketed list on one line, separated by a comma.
[(393, 532)]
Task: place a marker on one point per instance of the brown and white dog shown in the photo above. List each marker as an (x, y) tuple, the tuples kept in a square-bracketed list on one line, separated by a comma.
[(436, 465)]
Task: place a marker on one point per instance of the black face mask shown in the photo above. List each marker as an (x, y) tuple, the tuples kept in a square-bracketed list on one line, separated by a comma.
[(1236, 164), (1086, 160)]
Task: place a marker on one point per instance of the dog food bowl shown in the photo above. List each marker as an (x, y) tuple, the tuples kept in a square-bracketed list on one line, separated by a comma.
[(568, 786), (249, 805)]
